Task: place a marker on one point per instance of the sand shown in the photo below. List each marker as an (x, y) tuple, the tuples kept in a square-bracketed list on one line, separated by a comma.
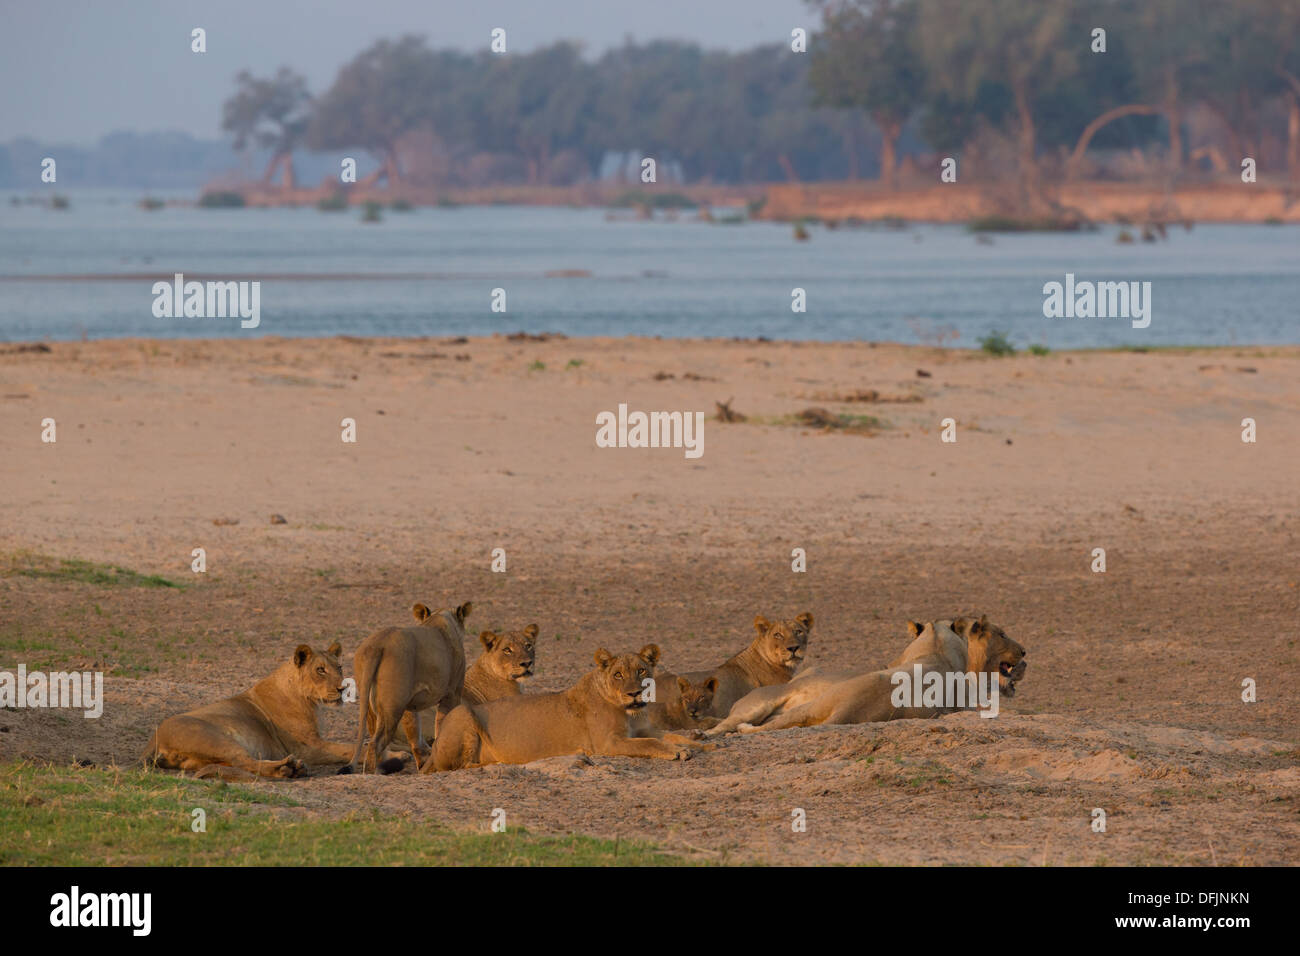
[(1132, 698)]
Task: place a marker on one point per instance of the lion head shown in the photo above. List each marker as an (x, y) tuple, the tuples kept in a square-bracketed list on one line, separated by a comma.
[(783, 642), (453, 618), (697, 699), (319, 674), (989, 649), (509, 656), (619, 679)]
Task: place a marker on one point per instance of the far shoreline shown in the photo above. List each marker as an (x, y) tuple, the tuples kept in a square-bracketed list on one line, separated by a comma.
[(13, 347)]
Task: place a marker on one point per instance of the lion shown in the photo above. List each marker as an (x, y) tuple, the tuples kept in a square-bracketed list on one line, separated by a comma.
[(600, 714), (400, 671), (506, 661), (271, 730), (771, 658), (686, 705), (843, 697)]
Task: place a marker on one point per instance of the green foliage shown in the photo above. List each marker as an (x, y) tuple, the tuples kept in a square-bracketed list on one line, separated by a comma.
[(946, 71), (655, 200), (997, 343), (221, 199)]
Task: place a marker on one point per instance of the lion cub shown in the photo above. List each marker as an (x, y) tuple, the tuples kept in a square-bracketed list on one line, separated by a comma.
[(597, 715), (400, 671), (268, 730), (507, 660), (686, 705)]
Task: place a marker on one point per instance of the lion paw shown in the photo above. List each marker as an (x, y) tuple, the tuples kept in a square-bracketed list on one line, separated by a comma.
[(746, 728), (290, 766), (683, 753)]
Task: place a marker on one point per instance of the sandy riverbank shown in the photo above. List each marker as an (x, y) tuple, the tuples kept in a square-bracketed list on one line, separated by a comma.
[(1132, 697)]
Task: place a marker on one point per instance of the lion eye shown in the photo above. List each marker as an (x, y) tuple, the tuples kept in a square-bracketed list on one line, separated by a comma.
[(321, 671), (509, 652)]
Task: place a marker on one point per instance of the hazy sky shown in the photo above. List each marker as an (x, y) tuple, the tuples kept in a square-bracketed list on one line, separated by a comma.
[(73, 70)]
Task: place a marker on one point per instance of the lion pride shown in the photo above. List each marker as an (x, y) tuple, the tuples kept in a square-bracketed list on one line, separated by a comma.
[(600, 714)]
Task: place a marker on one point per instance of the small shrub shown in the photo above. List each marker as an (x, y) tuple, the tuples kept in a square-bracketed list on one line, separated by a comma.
[(997, 343), (222, 199)]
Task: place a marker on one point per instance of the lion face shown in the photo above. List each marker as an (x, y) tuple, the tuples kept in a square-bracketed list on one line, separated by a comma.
[(509, 656), (619, 679), (697, 699), (320, 675), (989, 649), (783, 643)]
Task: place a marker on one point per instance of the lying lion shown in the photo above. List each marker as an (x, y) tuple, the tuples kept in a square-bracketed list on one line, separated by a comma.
[(401, 671), (507, 660), (771, 658), (272, 730), (685, 705), (600, 714), (843, 697)]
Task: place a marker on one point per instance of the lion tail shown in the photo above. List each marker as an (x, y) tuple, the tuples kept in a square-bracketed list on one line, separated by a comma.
[(366, 669)]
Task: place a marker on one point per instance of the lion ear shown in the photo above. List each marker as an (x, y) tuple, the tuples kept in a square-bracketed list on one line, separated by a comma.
[(301, 655), (683, 684), (761, 624), (650, 654), (334, 650), (979, 628), (462, 612), (531, 630), (711, 684), (603, 657), (915, 628), (806, 620), (487, 639), (420, 612), (961, 625)]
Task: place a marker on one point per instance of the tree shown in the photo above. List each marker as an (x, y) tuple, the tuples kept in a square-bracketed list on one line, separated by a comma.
[(535, 104), (271, 113), (388, 90), (1021, 46), (866, 57)]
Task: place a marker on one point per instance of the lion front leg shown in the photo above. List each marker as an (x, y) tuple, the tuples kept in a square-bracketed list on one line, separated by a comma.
[(647, 747)]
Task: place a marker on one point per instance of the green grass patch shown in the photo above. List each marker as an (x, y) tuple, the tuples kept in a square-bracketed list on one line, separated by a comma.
[(85, 572), (71, 817), (825, 420)]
